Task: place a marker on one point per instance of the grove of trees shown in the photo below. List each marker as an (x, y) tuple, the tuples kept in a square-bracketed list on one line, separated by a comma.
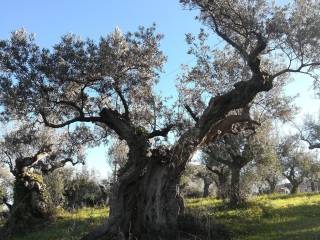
[(80, 93)]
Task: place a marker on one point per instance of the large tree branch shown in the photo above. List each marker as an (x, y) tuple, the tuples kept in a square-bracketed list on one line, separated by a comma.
[(192, 114), (124, 103), (23, 162), (260, 46), (314, 146), (297, 70), (43, 152), (161, 132), (311, 145), (228, 39), (50, 167), (214, 170), (114, 120), (223, 126), (215, 121), (111, 118), (71, 104), (68, 122)]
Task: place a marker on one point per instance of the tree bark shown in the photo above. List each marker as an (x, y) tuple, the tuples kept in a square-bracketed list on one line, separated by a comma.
[(221, 181), (148, 205), (313, 186), (145, 203), (206, 186), (272, 188), (272, 185), (235, 194), (222, 187), (30, 202), (295, 188)]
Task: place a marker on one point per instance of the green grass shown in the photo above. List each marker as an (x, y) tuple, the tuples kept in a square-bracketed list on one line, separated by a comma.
[(274, 217), (68, 226)]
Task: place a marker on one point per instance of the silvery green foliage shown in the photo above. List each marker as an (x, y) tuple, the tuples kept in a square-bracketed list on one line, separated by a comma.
[(290, 31), (310, 132), (77, 78), (39, 147), (6, 182), (297, 164)]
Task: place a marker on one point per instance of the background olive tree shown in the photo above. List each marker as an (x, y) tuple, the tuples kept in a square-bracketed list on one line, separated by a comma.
[(297, 164), (30, 152)]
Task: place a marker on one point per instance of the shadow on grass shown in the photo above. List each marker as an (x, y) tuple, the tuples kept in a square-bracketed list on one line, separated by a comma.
[(292, 222), (263, 219), (69, 227)]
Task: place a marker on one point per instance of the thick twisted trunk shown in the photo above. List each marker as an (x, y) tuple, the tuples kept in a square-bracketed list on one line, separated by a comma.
[(222, 187), (148, 207), (145, 208), (146, 203), (30, 205)]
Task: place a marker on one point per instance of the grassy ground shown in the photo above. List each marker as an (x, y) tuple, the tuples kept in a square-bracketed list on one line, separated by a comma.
[(274, 217), (68, 226)]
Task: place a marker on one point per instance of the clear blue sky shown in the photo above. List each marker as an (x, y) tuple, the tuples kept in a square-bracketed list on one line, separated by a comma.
[(51, 19)]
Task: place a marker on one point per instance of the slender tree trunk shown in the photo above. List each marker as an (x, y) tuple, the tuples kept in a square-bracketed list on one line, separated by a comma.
[(206, 186), (272, 185), (115, 172), (235, 194), (313, 186), (272, 188), (295, 188)]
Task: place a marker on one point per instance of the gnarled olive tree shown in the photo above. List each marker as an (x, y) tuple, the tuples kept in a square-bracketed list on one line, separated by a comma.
[(310, 132), (110, 84), (296, 163), (234, 151), (207, 178), (30, 152), (221, 171)]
